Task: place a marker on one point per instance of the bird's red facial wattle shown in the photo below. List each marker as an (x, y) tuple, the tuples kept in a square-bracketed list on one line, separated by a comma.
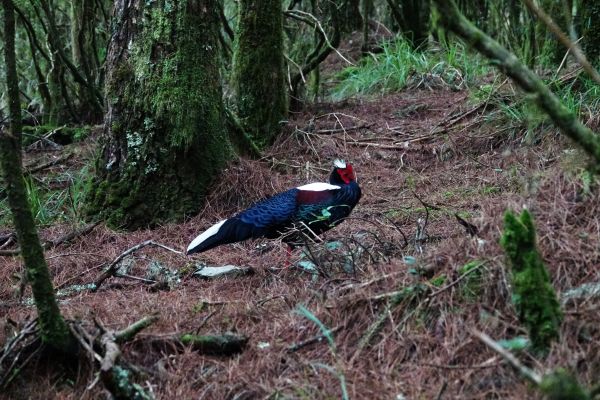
[(347, 174)]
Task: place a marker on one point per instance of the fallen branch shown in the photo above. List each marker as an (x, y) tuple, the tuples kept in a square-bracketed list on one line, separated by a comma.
[(114, 266), (129, 333), (222, 345), (29, 171), (530, 374), (338, 130)]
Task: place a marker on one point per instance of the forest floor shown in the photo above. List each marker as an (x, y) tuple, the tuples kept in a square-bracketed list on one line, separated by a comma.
[(422, 157)]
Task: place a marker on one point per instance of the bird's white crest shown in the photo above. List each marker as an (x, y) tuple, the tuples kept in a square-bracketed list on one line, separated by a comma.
[(205, 235), (318, 187), (339, 163)]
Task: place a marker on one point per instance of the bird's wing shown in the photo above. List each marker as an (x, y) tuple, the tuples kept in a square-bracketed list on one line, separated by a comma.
[(271, 212)]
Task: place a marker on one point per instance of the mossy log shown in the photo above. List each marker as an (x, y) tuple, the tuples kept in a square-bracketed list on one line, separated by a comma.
[(220, 345), (165, 138)]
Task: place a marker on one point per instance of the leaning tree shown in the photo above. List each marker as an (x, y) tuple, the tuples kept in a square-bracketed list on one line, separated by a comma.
[(53, 330), (164, 137)]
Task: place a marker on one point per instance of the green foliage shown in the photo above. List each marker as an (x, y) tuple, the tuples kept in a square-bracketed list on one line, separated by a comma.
[(561, 385), (471, 285), (52, 205), (400, 64), (515, 344), (533, 295), (59, 134), (518, 113), (329, 336)]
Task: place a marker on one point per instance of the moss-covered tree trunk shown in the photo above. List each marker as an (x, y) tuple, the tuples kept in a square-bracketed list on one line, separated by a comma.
[(83, 51), (259, 80), (53, 329), (164, 135)]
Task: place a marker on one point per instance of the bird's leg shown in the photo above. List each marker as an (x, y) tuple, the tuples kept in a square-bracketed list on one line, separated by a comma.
[(289, 256)]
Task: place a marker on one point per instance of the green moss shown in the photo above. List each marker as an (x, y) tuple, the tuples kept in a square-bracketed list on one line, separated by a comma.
[(533, 295), (438, 280), (470, 286), (560, 385), (258, 75), (167, 135)]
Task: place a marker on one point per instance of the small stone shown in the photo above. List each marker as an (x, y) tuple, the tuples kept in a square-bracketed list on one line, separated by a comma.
[(225, 270)]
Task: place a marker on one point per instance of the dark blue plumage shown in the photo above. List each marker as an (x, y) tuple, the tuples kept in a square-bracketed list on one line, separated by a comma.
[(306, 210)]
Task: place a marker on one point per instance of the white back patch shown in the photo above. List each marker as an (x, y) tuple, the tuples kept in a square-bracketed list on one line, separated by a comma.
[(318, 187), (205, 235)]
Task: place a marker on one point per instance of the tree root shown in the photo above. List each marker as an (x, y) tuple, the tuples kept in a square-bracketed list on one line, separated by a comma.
[(103, 346)]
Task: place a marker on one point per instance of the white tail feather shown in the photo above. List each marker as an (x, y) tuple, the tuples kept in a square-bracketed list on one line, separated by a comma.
[(205, 235)]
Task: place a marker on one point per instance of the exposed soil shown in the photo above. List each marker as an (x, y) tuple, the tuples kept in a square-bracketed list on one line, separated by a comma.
[(418, 166)]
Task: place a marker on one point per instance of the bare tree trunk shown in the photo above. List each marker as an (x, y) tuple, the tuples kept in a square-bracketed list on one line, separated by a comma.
[(54, 331)]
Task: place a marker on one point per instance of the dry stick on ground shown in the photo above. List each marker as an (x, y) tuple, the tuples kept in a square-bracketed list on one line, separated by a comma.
[(114, 266), (55, 242), (297, 346), (564, 39), (29, 171), (512, 360), (526, 79), (26, 342), (338, 130)]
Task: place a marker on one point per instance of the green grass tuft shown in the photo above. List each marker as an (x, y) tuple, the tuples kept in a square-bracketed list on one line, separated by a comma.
[(399, 65)]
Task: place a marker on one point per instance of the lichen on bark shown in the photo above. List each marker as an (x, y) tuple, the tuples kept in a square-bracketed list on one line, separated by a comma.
[(165, 138), (533, 295)]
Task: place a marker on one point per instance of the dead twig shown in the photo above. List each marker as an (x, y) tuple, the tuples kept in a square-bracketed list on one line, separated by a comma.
[(224, 344), (114, 266), (338, 130), (512, 360), (60, 160), (297, 346), (129, 333), (14, 349)]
